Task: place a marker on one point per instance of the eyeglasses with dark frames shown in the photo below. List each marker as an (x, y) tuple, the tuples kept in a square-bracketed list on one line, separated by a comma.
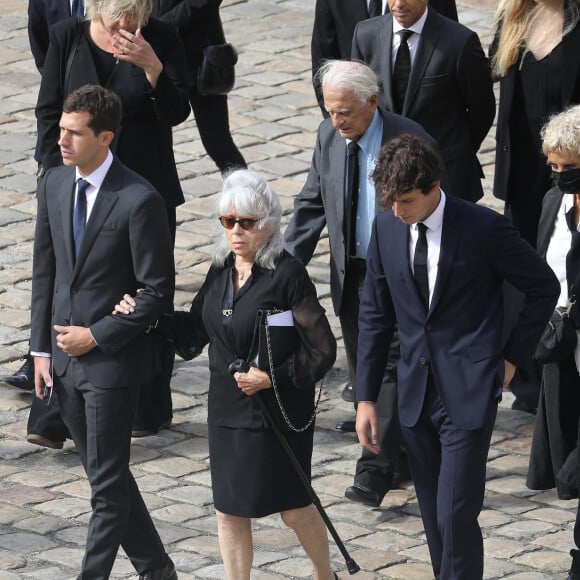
[(229, 222)]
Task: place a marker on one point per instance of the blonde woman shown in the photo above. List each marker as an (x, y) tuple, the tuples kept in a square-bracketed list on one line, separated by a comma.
[(536, 58)]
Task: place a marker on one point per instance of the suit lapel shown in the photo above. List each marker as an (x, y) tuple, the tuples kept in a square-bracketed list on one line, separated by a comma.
[(385, 43), (337, 158), (66, 203), (451, 234), (427, 43), (105, 202)]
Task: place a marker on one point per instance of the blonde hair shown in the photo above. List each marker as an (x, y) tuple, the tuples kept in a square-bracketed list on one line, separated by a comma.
[(514, 19), (115, 9)]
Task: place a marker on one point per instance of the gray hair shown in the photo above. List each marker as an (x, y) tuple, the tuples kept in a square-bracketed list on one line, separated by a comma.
[(561, 134), (350, 75), (249, 195), (115, 9)]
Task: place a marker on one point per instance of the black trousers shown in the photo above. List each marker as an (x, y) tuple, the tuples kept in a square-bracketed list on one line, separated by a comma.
[(448, 467), (212, 118), (100, 422), (377, 471)]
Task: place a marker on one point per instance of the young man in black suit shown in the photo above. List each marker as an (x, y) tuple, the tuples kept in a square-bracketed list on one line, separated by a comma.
[(100, 229), (435, 72)]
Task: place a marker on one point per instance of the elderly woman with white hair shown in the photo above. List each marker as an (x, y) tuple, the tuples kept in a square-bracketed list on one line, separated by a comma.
[(251, 475), (555, 459)]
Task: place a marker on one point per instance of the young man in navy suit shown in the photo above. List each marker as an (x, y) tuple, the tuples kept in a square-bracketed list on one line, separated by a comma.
[(435, 267)]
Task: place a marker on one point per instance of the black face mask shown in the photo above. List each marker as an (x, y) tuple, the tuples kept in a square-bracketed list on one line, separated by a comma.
[(568, 181)]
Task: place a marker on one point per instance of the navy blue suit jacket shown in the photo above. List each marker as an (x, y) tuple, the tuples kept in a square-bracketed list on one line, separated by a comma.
[(459, 339)]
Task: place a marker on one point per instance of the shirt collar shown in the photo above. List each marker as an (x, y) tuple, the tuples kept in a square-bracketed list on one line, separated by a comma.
[(417, 28), (97, 177), (376, 126), (435, 221)]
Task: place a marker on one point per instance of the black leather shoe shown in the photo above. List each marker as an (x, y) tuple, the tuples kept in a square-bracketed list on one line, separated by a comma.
[(166, 573), (362, 493), (347, 426), (43, 441), (347, 393), (23, 378), (150, 431), (521, 405)]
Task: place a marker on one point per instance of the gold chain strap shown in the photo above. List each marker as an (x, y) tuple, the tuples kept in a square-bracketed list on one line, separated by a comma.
[(277, 392)]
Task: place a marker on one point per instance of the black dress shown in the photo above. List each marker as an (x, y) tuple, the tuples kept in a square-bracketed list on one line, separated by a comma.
[(251, 475), (537, 96)]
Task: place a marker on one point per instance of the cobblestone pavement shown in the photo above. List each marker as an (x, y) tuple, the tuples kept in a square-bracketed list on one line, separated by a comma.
[(44, 496)]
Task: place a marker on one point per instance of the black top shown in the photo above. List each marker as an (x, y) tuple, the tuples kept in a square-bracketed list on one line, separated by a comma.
[(226, 320), (537, 96)]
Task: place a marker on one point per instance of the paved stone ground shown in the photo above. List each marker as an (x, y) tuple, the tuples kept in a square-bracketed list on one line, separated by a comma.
[(44, 497)]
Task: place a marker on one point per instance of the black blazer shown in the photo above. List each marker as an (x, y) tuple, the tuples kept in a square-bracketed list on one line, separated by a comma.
[(450, 92), (334, 24), (570, 93), (126, 246), (42, 14), (145, 142), (321, 201), (198, 23)]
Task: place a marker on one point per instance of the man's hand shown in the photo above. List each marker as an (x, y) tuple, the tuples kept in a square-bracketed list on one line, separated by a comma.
[(42, 376), (74, 340), (510, 371), (366, 424)]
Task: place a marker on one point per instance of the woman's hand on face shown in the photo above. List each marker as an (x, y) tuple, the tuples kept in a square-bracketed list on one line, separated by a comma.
[(126, 306), (135, 49), (253, 381)]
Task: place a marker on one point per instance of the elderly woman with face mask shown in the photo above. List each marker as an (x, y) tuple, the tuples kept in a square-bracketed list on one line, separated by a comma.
[(555, 459), (251, 475)]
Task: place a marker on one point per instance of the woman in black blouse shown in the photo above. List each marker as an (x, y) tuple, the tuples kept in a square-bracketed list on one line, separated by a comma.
[(251, 475)]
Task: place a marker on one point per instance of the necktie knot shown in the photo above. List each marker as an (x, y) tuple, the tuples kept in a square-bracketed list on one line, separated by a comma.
[(353, 148), (405, 35), (78, 8), (422, 229)]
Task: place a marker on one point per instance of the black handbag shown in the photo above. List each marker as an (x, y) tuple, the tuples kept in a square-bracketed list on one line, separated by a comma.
[(217, 74), (559, 338)]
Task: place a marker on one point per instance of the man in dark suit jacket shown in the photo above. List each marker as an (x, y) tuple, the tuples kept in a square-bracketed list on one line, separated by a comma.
[(436, 268), (449, 90), (94, 239), (334, 23), (322, 202)]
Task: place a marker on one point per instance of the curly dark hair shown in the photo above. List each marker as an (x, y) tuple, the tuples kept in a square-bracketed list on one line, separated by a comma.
[(104, 107), (405, 163)]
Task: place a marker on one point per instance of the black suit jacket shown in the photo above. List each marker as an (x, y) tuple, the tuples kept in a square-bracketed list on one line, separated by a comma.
[(570, 95), (126, 246), (198, 23), (42, 14), (459, 338), (450, 91), (321, 201), (334, 24), (145, 142)]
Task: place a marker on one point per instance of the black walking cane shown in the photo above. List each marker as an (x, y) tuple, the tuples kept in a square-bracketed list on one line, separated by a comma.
[(243, 366)]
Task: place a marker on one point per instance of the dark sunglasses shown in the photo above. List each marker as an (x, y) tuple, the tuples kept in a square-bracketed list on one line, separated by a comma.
[(230, 222)]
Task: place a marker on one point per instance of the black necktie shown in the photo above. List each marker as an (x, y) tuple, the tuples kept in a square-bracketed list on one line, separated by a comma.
[(401, 71), (80, 214), (420, 264), (352, 198), (78, 8), (573, 265), (375, 8)]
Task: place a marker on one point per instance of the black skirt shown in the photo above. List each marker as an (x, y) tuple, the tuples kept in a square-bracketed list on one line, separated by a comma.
[(251, 474)]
